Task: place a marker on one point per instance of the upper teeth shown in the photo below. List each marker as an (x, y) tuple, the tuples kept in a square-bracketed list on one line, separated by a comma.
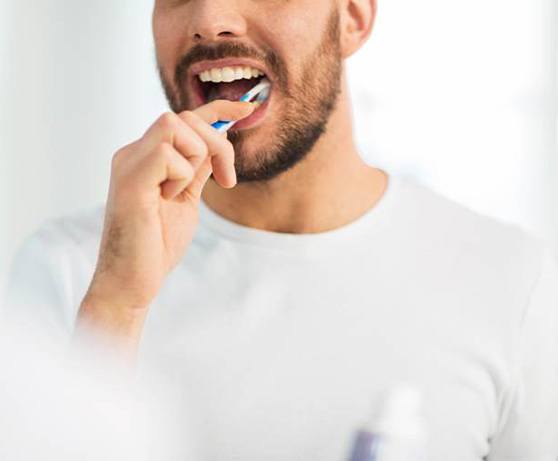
[(229, 74)]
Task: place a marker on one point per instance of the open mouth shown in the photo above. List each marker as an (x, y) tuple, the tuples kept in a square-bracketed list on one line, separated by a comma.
[(229, 83)]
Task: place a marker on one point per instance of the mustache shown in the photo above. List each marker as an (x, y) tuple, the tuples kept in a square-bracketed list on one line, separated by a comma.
[(230, 50)]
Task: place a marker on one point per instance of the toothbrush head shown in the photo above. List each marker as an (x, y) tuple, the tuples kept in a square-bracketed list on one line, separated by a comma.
[(262, 87), (263, 95), (257, 95)]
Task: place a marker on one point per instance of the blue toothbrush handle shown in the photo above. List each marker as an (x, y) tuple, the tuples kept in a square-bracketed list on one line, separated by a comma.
[(219, 124)]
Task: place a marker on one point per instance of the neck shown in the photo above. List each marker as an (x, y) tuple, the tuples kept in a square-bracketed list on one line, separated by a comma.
[(329, 188)]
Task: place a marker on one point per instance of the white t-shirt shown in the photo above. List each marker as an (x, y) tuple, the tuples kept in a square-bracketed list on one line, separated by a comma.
[(281, 343)]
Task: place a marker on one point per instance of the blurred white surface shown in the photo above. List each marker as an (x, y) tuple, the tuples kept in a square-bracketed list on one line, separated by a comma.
[(58, 406), (461, 96)]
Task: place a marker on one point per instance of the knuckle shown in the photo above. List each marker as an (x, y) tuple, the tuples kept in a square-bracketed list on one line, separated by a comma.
[(167, 119), (188, 116), (117, 157)]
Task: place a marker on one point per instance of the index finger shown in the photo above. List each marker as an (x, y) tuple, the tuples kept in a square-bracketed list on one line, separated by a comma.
[(221, 109)]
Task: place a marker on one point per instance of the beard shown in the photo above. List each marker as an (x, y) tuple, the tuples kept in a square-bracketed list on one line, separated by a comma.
[(306, 105)]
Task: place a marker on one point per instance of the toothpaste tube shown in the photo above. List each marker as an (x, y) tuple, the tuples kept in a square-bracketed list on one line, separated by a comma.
[(396, 431)]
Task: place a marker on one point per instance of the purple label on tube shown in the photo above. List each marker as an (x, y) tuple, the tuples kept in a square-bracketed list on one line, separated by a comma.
[(365, 447)]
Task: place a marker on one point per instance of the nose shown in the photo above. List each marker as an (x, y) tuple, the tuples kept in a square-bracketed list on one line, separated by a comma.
[(212, 20)]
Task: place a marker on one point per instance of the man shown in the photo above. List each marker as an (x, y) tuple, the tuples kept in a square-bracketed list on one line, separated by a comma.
[(312, 281)]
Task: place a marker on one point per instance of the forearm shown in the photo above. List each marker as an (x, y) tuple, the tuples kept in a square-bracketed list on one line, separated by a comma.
[(113, 325)]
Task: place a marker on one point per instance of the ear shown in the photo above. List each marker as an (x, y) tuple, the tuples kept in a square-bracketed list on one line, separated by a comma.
[(356, 21)]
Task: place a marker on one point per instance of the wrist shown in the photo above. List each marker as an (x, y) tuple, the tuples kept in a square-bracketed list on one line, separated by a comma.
[(109, 290), (111, 316)]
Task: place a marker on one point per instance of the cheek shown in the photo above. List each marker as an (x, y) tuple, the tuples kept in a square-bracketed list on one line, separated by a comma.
[(293, 35), (167, 40), (288, 33)]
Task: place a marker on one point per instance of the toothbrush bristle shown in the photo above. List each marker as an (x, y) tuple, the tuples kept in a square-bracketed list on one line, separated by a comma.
[(263, 95)]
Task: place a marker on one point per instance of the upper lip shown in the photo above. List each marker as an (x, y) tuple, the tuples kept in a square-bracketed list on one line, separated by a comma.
[(201, 66)]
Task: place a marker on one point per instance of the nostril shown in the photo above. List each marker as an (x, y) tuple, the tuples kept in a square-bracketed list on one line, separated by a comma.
[(220, 34)]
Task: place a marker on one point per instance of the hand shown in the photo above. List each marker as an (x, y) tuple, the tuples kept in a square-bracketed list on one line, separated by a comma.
[(153, 202)]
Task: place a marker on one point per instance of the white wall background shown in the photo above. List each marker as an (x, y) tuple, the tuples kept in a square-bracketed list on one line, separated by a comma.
[(461, 96)]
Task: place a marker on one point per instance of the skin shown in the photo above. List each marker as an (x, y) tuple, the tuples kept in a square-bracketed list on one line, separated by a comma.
[(158, 181)]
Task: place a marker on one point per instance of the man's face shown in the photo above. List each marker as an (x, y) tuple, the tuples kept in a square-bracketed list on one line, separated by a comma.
[(295, 44)]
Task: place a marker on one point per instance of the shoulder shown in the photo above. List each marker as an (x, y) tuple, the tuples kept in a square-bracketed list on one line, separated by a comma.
[(52, 269), (60, 255), (468, 234), (79, 232), (490, 266), (77, 227)]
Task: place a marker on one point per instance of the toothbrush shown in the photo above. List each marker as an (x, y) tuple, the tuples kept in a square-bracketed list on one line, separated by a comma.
[(260, 92)]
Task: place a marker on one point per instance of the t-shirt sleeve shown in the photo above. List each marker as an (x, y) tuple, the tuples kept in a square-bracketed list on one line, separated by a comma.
[(529, 427), (38, 293)]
